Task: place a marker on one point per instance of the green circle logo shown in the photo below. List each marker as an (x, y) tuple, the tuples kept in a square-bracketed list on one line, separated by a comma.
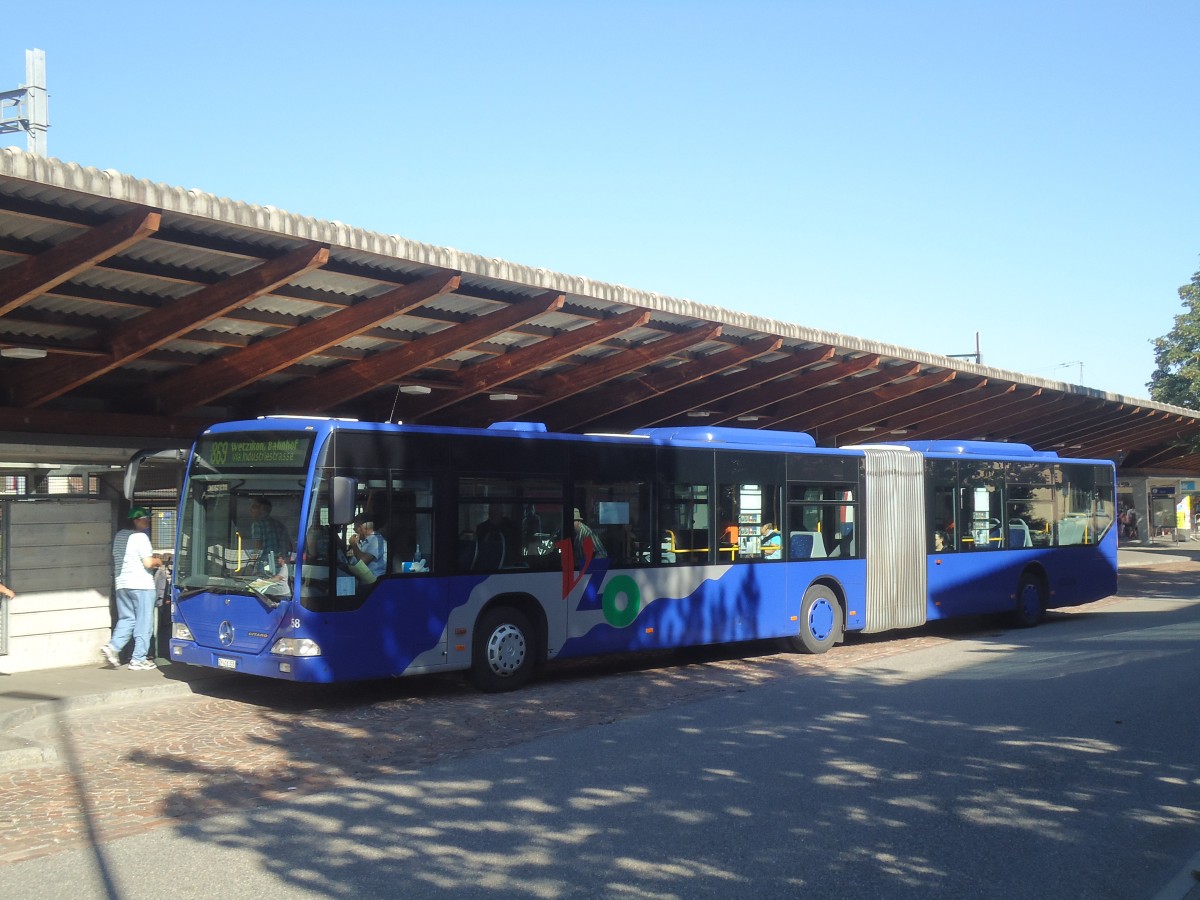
[(622, 587)]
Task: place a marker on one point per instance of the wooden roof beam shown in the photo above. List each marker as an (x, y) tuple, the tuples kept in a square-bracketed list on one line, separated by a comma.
[(946, 392), (217, 377), (711, 391), (985, 423), (816, 389), (1000, 393), (101, 424), (132, 339), (1065, 420), (1092, 435), (38, 274), (1125, 419), (853, 411), (1146, 433), (942, 423), (618, 398), (1038, 424), (354, 379), (1171, 454), (524, 360), (590, 374)]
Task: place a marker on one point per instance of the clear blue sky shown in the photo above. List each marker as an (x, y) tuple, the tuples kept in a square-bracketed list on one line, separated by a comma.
[(908, 172)]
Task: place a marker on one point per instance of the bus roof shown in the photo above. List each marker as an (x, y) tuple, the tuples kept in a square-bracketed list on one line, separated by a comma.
[(672, 436), (677, 436), (690, 436), (976, 448)]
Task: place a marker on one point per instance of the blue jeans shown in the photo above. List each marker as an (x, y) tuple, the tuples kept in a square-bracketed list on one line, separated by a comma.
[(135, 614)]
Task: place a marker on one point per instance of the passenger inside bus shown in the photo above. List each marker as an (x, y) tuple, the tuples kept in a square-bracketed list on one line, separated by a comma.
[(317, 543), (582, 538), (498, 539), (368, 546), (266, 532), (771, 542)]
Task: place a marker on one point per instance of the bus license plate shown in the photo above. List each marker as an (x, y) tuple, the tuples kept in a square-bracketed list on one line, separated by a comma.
[(223, 663)]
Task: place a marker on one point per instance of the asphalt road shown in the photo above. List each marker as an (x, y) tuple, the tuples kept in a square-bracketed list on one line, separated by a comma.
[(1060, 761)]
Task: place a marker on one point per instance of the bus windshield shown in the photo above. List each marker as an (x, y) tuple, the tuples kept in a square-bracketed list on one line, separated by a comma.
[(241, 516)]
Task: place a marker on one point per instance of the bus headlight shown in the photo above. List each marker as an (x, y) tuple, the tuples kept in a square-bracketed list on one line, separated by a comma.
[(181, 632), (296, 647)]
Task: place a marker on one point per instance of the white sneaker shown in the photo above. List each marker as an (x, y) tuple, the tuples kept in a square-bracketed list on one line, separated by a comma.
[(110, 656), (141, 665)]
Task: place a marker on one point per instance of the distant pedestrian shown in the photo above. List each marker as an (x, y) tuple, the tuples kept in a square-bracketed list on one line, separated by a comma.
[(1130, 522), (134, 562)]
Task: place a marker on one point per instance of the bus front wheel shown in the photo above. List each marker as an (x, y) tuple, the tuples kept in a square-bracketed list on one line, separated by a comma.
[(504, 652), (820, 620)]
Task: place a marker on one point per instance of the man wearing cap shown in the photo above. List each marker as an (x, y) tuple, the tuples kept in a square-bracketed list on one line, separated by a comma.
[(134, 563), (581, 534)]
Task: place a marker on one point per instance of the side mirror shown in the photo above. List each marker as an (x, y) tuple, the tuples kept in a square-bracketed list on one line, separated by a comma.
[(177, 456), (341, 506)]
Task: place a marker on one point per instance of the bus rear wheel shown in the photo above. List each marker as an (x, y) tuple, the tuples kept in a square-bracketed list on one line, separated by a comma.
[(820, 620), (505, 650), (1031, 601)]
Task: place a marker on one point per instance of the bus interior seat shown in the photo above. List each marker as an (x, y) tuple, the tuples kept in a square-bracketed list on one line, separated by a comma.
[(844, 546), (1018, 534), (489, 553), (620, 542), (688, 541), (800, 544), (1072, 530), (819, 546), (806, 545), (466, 553)]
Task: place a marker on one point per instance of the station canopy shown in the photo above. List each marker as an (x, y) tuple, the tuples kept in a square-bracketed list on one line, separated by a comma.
[(134, 314)]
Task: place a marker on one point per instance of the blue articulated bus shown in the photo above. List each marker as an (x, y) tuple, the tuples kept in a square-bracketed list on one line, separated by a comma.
[(333, 550)]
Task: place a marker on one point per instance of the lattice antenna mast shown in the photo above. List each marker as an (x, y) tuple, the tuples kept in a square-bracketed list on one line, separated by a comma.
[(27, 108)]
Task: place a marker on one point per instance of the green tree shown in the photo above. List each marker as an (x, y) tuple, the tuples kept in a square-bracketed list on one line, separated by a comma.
[(1176, 377)]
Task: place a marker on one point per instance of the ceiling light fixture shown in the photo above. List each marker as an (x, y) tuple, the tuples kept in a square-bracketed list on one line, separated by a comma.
[(22, 352), (415, 389), (749, 418), (867, 428), (502, 397), (699, 414)]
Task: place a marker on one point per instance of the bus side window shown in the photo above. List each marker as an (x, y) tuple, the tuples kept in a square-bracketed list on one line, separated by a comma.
[(408, 529), (941, 478)]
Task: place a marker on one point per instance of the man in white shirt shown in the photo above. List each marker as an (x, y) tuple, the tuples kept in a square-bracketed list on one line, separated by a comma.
[(134, 563)]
